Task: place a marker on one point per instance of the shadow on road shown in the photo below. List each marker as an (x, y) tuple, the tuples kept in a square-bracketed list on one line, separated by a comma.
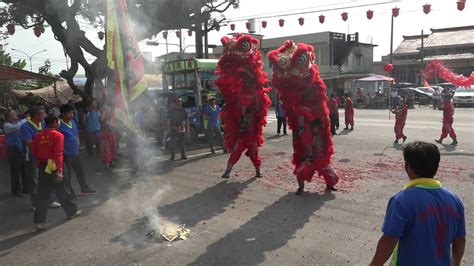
[(270, 230), (344, 132), (398, 147), (199, 207)]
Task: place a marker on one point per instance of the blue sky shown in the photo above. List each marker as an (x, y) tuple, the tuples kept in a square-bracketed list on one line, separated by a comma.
[(410, 21)]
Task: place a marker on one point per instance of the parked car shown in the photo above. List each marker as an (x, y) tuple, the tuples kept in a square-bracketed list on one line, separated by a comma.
[(420, 95), (450, 88), (464, 96)]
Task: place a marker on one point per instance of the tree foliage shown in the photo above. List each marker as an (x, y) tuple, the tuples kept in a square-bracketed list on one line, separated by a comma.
[(6, 59), (149, 16)]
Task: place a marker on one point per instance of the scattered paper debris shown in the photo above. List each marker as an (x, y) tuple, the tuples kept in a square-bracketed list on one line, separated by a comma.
[(171, 232)]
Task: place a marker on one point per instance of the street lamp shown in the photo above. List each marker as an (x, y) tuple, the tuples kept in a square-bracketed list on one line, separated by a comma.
[(30, 57), (155, 43)]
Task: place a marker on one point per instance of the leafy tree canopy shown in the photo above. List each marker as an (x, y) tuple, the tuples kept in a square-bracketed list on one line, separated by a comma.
[(150, 17)]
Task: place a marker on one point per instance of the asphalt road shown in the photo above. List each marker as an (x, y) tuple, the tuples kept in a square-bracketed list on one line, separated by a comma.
[(242, 220)]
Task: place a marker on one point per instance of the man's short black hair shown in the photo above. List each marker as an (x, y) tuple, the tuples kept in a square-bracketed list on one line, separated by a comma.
[(331, 95), (36, 110), (346, 94), (65, 108), (50, 119), (423, 158), (8, 113)]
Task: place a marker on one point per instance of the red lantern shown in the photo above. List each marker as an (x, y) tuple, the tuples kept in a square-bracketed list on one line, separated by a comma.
[(461, 5), (426, 8), (11, 28), (190, 33), (395, 11), (248, 25), (165, 35), (370, 14), (264, 24), (281, 22), (37, 31), (101, 35), (388, 68), (345, 16), (178, 34), (321, 19), (232, 27), (301, 21)]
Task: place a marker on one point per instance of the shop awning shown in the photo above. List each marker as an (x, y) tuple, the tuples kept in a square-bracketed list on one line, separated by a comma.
[(63, 92)]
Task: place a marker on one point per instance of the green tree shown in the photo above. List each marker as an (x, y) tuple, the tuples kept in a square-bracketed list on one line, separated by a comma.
[(6, 60), (150, 17)]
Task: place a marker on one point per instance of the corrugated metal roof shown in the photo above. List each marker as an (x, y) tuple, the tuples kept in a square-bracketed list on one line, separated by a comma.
[(409, 45), (10, 73), (450, 57), (450, 37), (454, 37)]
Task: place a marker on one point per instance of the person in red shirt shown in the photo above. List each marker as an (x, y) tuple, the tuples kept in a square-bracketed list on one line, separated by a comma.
[(47, 148), (334, 113), (448, 119), (349, 112), (400, 112)]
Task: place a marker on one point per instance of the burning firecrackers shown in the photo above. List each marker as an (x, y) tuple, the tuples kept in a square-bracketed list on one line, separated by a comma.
[(170, 232)]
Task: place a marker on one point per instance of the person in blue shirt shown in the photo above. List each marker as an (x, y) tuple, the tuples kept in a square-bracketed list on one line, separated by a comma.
[(424, 223), (72, 160), (72, 103), (281, 118), (92, 121), (11, 128), (34, 124), (212, 112)]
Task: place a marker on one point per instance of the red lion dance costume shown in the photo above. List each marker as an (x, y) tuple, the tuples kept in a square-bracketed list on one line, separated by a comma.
[(242, 84), (303, 94)]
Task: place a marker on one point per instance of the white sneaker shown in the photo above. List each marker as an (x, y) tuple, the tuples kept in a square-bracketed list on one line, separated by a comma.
[(40, 227), (54, 205), (78, 212)]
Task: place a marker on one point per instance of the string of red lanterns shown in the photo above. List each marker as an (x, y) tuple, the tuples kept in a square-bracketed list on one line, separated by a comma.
[(461, 5)]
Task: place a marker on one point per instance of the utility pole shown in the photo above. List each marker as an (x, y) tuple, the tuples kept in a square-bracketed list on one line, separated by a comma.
[(206, 41), (422, 52), (390, 73)]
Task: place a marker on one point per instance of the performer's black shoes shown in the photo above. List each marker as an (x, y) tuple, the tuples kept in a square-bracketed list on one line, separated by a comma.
[(440, 141), (404, 139), (346, 128), (225, 175), (455, 142), (300, 191), (331, 188), (352, 128), (396, 141), (258, 175)]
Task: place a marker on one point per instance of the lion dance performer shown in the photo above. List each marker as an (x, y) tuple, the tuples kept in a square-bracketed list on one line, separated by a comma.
[(448, 119), (303, 93), (400, 112), (242, 84)]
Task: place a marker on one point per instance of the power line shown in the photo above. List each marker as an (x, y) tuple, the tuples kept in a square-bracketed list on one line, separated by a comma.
[(309, 12)]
